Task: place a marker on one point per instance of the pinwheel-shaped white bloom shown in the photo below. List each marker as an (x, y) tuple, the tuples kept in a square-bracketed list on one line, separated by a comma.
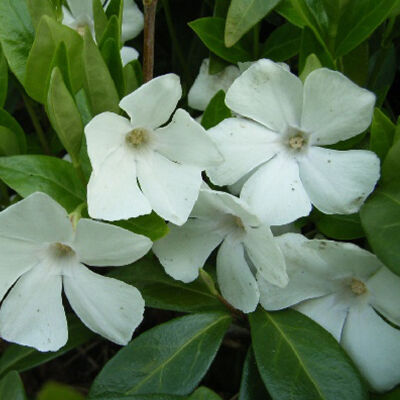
[(346, 290), (206, 85), (278, 142), (166, 161), (246, 245), (41, 253)]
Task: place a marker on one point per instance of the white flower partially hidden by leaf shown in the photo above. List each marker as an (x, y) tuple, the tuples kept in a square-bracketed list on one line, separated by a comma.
[(216, 218), (346, 290), (278, 143), (206, 85), (41, 253), (167, 161)]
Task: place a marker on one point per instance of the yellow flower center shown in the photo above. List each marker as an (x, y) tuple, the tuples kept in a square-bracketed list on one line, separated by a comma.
[(296, 142), (358, 287), (239, 222), (81, 29), (137, 137), (62, 250)]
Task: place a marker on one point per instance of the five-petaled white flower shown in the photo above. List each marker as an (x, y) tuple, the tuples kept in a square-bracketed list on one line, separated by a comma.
[(276, 146), (166, 161), (246, 244), (41, 253), (80, 16), (346, 290)]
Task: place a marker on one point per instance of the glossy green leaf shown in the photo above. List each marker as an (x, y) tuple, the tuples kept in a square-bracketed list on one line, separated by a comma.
[(49, 36), (287, 10), (112, 31), (161, 291), (243, 15), (99, 85), (282, 44), (3, 78), (8, 121), (38, 8), (16, 35), (8, 142), (311, 64), (64, 115), (27, 174), (391, 166), (133, 76), (211, 32), (251, 385), (170, 358), (22, 358), (299, 360), (100, 19), (381, 134), (216, 111), (204, 393), (54, 390), (11, 387)]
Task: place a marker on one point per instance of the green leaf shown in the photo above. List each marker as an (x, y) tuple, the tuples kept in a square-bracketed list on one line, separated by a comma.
[(299, 360), (251, 385), (133, 76), (286, 9), (211, 32), (54, 390), (112, 31), (8, 142), (21, 358), (38, 8), (381, 134), (282, 44), (391, 166), (170, 358), (27, 174), (203, 393), (8, 121), (40, 63), (143, 397), (243, 15), (99, 85), (355, 64), (11, 387), (216, 111), (161, 291), (64, 115), (16, 35), (3, 78), (311, 64), (100, 19), (392, 395)]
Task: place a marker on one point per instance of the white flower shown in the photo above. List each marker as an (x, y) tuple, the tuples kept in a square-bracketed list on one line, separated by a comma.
[(166, 161), (216, 218), (346, 290), (41, 253), (277, 143), (206, 85)]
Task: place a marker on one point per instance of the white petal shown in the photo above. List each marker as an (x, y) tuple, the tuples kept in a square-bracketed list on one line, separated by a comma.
[(128, 54), (100, 244), (328, 311), (105, 133), (334, 107), (268, 94), (275, 192), (151, 105), (244, 145), (237, 283), (185, 249), (265, 254), (32, 314), (338, 182), (132, 20), (374, 346), (107, 306), (207, 85), (37, 218), (68, 18), (171, 188), (185, 141), (384, 287), (307, 273), (80, 8), (113, 192)]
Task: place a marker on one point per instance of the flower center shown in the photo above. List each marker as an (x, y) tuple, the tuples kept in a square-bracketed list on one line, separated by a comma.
[(358, 287), (137, 137), (62, 250), (239, 222), (296, 142), (81, 28)]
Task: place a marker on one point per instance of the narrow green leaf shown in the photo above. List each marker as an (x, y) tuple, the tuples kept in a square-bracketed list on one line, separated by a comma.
[(211, 32), (204, 393), (216, 111), (3, 78), (299, 360), (54, 390), (27, 174), (133, 76), (312, 63), (243, 15), (162, 361), (11, 387), (100, 19), (16, 35), (381, 134), (391, 166), (64, 115), (286, 9), (112, 31), (8, 121), (161, 291), (38, 8)]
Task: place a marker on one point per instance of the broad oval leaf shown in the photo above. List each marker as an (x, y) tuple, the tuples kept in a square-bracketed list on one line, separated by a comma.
[(8, 121), (8, 142), (170, 358), (11, 387), (27, 174), (55, 390), (299, 360), (204, 393)]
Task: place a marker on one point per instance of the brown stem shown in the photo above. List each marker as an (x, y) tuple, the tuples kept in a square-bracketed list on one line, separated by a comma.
[(150, 7)]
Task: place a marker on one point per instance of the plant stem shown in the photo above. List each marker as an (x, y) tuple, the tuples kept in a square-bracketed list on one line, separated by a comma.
[(36, 124), (150, 7)]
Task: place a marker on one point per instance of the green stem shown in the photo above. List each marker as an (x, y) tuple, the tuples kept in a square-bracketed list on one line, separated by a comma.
[(36, 124)]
